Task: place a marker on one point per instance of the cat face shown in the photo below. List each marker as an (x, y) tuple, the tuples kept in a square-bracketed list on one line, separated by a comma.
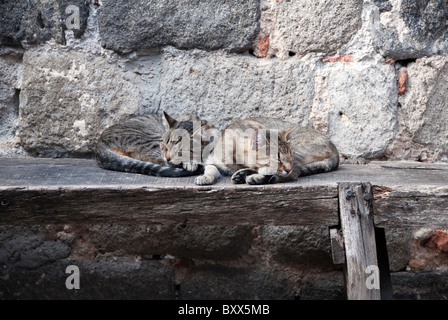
[(274, 149), (285, 152), (285, 160), (181, 145)]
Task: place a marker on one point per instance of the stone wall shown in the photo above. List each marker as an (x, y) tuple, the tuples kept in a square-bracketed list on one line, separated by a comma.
[(193, 262), (370, 74)]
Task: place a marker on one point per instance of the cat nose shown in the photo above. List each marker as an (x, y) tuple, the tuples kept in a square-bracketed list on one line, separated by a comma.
[(167, 156)]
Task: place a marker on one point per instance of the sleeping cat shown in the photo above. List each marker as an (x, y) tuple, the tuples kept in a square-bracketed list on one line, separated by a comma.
[(280, 152), (147, 145)]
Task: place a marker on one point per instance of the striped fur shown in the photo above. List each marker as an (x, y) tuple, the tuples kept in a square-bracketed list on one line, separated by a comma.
[(302, 151), (133, 146)]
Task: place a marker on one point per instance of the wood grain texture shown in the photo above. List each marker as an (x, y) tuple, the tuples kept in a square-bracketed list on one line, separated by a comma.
[(38, 172), (33, 190), (406, 207), (355, 203), (337, 246), (165, 205)]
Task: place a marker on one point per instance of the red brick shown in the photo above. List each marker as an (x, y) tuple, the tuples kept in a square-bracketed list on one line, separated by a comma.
[(338, 58), (438, 242)]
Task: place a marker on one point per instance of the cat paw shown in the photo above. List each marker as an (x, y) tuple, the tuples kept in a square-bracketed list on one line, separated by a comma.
[(273, 179), (203, 181), (257, 179), (239, 177), (190, 166)]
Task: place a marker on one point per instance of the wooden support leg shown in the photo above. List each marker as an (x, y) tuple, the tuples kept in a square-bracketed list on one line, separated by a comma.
[(358, 233), (338, 255)]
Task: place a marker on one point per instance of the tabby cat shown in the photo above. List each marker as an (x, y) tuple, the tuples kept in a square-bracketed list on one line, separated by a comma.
[(144, 145), (283, 152)]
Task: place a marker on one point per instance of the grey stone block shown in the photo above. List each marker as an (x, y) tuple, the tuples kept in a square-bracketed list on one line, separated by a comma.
[(38, 21), (399, 248), (21, 247), (323, 286), (10, 68), (420, 286), (383, 5), (34, 267), (307, 26), (413, 29), (221, 282), (356, 106), (117, 280), (210, 25), (426, 20), (221, 87), (423, 133), (199, 242), (68, 98), (10, 86), (297, 245)]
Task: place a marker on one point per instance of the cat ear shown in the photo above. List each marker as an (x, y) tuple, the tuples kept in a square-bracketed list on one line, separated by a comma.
[(168, 121), (289, 133), (257, 139)]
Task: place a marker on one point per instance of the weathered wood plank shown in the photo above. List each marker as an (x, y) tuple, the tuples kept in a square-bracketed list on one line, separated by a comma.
[(164, 205), (25, 172), (337, 246), (407, 194), (411, 207), (359, 239)]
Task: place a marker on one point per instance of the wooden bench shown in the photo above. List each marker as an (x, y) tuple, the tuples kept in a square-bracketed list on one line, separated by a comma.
[(356, 202)]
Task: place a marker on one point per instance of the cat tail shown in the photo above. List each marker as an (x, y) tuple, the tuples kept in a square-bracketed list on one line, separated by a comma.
[(110, 160), (326, 165)]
